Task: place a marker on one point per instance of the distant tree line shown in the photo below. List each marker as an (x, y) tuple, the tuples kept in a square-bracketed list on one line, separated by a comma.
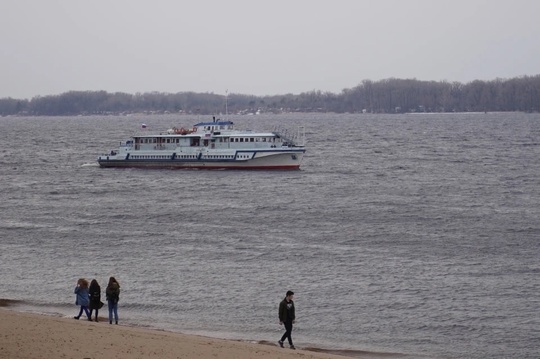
[(385, 96)]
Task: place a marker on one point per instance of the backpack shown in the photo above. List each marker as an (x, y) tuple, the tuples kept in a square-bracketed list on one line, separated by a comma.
[(113, 294)]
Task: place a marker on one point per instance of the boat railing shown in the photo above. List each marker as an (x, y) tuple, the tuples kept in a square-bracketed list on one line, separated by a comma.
[(297, 139)]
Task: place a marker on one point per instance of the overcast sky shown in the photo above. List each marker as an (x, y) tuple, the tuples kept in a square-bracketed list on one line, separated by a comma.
[(259, 47)]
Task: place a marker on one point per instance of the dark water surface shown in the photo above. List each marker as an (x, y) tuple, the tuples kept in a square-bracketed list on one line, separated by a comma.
[(414, 234)]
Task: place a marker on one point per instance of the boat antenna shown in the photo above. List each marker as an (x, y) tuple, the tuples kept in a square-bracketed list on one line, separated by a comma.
[(226, 102)]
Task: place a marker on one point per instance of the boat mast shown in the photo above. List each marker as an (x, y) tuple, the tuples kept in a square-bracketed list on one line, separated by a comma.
[(226, 102)]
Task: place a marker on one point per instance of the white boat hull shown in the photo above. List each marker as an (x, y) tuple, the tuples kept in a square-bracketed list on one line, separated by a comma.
[(288, 160), (208, 145)]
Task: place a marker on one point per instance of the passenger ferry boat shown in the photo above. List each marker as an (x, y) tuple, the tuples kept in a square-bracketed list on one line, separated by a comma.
[(210, 145)]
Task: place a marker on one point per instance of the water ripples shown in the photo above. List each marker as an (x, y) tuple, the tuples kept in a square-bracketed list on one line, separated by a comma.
[(402, 233)]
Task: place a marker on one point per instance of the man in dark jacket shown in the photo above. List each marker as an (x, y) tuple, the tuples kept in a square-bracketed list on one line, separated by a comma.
[(287, 317)]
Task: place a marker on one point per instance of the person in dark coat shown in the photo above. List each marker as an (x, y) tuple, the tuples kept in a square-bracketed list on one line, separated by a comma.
[(287, 317), (82, 297), (95, 298), (113, 296)]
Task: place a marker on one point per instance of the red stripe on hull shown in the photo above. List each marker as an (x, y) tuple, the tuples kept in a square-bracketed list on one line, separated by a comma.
[(108, 164)]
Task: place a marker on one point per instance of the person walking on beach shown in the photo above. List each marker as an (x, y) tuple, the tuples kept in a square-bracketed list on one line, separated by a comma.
[(95, 298), (113, 296), (82, 297), (287, 317)]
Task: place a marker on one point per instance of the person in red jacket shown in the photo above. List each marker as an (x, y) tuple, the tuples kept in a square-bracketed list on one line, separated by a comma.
[(287, 317)]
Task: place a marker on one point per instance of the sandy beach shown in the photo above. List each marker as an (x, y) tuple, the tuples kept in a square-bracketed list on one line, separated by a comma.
[(27, 335)]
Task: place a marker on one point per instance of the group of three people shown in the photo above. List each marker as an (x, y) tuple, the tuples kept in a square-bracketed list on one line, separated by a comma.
[(89, 298)]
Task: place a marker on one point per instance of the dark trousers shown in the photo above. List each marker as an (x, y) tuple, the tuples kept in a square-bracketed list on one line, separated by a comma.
[(85, 308), (91, 310), (288, 331)]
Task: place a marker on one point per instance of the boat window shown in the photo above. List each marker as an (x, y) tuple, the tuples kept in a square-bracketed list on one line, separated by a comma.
[(251, 139)]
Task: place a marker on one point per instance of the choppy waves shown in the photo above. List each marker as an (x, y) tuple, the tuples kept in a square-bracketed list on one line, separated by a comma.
[(401, 234)]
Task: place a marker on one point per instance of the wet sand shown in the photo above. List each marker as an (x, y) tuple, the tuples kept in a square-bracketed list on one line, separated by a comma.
[(27, 335), (30, 335)]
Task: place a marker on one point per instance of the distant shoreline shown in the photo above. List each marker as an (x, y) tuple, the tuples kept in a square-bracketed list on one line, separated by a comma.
[(232, 116), (384, 96)]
